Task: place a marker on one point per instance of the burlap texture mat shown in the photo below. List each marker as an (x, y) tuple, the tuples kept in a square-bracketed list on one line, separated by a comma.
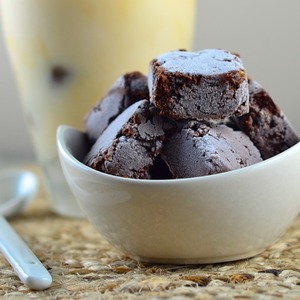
[(84, 266)]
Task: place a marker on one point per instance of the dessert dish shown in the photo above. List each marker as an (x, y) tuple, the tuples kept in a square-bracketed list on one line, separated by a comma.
[(209, 84), (200, 149), (266, 124), (130, 144), (127, 89)]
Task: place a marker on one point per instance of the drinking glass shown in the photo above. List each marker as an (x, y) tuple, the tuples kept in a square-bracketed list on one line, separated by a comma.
[(66, 53)]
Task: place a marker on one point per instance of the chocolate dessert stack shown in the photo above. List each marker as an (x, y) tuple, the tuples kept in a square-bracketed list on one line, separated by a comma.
[(196, 114)]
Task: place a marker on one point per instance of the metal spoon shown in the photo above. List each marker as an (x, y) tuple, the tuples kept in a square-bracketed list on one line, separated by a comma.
[(17, 188)]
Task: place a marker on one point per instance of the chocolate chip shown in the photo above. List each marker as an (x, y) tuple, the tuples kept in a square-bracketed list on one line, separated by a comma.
[(59, 74)]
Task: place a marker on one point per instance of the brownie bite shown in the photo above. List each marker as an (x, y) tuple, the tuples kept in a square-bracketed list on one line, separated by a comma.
[(209, 84), (201, 148), (127, 89), (266, 124), (130, 144)]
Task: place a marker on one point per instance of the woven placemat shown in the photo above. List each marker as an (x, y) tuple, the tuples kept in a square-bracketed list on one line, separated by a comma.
[(84, 266)]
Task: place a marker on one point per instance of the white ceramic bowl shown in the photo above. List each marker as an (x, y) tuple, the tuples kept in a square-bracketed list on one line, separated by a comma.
[(208, 219)]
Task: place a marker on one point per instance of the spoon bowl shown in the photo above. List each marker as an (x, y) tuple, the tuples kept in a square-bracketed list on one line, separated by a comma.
[(17, 189), (209, 219)]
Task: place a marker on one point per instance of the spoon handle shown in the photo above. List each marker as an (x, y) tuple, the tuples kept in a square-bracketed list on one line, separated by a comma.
[(28, 267)]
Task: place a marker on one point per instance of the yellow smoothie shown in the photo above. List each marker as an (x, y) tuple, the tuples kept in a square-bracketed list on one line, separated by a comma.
[(66, 53)]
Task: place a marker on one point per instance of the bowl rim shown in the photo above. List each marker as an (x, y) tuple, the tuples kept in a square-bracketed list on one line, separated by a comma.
[(64, 150)]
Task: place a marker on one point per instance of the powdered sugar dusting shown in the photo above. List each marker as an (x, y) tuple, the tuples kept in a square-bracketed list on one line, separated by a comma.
[(205, 62)]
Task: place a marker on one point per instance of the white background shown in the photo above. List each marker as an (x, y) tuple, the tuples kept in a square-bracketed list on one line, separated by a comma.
[(265, 33)]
